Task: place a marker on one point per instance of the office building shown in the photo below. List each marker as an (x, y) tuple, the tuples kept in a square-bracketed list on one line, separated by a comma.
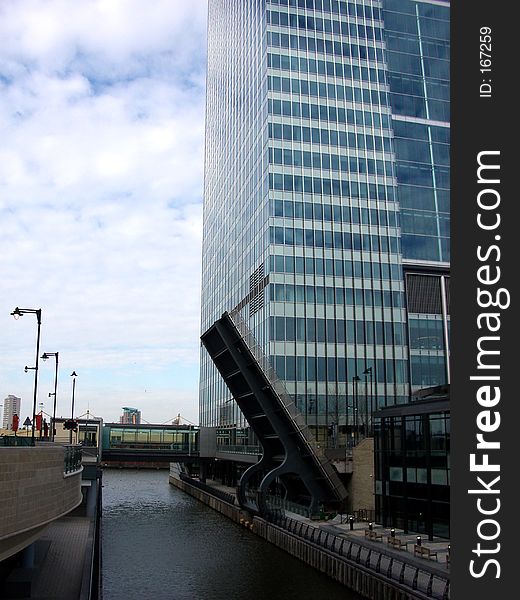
[(326, 204), (12, 406), (412, 464)]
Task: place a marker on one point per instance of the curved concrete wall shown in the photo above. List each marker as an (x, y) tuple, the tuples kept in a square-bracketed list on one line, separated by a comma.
[(33, 492)]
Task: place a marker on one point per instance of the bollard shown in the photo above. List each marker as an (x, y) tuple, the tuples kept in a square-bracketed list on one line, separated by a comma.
[(351, 523), (392, 532), (419, 541), (370, 525)]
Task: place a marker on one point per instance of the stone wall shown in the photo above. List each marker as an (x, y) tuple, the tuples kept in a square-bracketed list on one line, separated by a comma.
[(362, 482), (34, 489)]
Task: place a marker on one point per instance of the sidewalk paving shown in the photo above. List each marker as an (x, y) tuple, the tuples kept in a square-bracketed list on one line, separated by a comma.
[(439, 545), (62, 569)]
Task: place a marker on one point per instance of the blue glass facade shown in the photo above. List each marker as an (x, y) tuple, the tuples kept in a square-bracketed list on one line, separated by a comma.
[(417, 40), (315, 193)]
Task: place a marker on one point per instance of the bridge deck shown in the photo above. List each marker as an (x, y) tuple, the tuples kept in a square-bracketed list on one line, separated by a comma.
[(288, 447)]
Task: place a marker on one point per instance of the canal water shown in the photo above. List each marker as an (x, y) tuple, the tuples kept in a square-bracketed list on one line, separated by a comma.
[(161, 544)]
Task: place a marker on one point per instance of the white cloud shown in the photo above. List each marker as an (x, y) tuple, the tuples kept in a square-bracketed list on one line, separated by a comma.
[(101, 165)]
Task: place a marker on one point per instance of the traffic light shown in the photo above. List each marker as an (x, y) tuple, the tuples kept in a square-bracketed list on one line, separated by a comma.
[(71, 425)]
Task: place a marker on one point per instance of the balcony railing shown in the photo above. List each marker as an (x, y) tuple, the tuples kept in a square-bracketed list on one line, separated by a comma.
[(72, 459)]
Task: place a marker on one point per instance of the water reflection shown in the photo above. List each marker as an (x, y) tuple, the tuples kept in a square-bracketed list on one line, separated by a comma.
[(161, 544)]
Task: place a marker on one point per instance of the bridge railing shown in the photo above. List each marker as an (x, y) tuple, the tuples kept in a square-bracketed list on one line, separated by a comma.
[(240, 449)]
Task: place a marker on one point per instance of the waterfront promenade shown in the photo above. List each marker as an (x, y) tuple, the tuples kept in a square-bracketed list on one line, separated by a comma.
[(423, 576)]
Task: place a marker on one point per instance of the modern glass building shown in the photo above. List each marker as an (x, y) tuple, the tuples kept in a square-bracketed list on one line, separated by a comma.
[(412, 464), (326, 203)]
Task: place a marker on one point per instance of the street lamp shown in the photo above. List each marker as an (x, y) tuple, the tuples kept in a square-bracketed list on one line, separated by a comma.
[(45, 356), (17, 313), (355, 381), (73, 375), (368, 371)]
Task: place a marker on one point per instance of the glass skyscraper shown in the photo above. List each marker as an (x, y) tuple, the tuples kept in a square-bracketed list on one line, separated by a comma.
[(326, 203)]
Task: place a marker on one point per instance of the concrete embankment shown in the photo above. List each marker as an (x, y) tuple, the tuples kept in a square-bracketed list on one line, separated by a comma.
[(365, 569)]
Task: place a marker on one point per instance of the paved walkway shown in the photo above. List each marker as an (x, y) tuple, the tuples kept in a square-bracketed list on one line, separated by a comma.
[(439, 545), (62, 568)]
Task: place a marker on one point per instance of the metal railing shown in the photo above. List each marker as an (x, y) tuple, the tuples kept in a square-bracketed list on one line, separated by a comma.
[(240, 449), (287, 402), (294, 507), (72, 459), (366, 515), (15, 440), (384, 565)]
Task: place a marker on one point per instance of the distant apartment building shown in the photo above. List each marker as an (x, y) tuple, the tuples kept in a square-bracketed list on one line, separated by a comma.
[(130, 416), (12, 406)]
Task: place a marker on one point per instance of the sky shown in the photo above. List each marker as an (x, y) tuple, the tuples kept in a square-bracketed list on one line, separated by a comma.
[(101, 176)]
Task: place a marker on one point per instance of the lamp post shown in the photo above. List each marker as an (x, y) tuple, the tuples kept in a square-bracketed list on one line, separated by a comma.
[(355, 381), (73, 375), (46, 356), (17, 313), (368, 371)]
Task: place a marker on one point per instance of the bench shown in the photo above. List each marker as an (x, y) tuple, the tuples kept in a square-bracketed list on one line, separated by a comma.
[(396, 543), (423, 551), (373, 535)]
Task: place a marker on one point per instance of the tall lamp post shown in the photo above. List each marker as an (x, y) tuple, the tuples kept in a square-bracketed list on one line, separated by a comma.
[(45, 356), (355, 381), (368, 371), (73, 375), (17, 313)]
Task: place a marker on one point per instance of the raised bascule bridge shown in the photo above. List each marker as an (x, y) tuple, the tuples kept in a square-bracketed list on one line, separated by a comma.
[(291, 460)]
